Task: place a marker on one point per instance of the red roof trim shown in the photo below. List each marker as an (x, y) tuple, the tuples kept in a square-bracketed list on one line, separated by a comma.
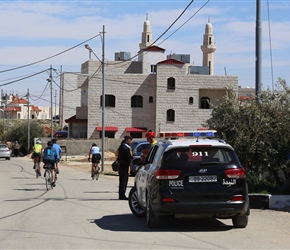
[(133, 129), (171, 61), (108, 128), (73, 119), (154, 48)]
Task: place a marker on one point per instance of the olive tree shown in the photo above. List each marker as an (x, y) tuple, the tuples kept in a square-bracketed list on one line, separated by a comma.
[(259, 131), (19, 132)]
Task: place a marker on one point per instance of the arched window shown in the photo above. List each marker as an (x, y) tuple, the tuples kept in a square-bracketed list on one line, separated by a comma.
[(170, 115), (137, 101), (204, 102), (110, 101), (190, 100), (150, 99), (171, 83)]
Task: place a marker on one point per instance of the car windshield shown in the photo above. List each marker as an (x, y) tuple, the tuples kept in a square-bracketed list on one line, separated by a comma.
[(134, 144), (199, 156)]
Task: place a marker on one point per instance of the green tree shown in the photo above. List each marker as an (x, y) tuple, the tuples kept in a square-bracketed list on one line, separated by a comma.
[(19, 132), (258, 130)]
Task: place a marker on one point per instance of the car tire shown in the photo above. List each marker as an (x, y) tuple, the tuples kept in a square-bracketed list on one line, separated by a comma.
[(8, 158), (136, 209), (152, 220), (240, 221)]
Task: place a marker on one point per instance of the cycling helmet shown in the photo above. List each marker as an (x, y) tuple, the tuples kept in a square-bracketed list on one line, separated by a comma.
[(94, 144), (150, 134), (38, 141)]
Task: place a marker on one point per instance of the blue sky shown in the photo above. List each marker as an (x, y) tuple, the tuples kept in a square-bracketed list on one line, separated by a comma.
[(31, 31)]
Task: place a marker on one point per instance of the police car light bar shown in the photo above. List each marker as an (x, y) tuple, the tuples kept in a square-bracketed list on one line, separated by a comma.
[(196, 133)]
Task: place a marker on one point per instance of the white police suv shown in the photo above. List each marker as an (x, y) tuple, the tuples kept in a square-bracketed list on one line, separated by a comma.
[(189, 178)]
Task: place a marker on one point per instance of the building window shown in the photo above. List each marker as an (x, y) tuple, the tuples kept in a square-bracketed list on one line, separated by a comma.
[(153, 69), (210, 41), (109, 134), (150, 99), (171, 83), (110, 101), (170, 115), (137, 101), (204, 102), (136, 134), (148, 38), (190, 100)]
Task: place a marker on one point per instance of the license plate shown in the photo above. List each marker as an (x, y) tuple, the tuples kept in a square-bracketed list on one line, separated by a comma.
[(203, 178)]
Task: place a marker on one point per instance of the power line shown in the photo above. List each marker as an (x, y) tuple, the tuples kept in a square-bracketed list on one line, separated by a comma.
[(23, 66), (23, 78)]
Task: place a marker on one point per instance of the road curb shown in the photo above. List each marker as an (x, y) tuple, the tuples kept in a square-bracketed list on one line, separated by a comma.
[(268, 201)]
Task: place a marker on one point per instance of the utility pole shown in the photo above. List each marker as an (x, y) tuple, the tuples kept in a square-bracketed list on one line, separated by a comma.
[(103, 97), (28, 123), (51, 113), (55, 104), (258, 48)]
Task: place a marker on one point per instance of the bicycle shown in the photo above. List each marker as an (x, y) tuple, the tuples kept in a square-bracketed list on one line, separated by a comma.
[(96, 173), (36, 166), (47, 176)]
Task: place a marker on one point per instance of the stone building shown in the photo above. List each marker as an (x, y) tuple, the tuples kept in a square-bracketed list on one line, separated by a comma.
[(155, 91)]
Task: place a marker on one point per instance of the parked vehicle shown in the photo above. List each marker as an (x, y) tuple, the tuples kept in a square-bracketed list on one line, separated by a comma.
[(190, 178), (4, 152), (137, 148)]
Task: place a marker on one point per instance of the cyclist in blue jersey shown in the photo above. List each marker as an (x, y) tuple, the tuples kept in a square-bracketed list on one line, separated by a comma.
[(96, 156), (58, 151), (50, 158)]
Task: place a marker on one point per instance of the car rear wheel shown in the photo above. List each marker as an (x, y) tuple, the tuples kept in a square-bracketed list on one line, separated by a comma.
[(136, 209), (240, 221), (152, 220), (8, 158)]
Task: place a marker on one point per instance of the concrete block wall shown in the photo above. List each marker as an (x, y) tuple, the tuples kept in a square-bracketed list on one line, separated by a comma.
[(72, 100)]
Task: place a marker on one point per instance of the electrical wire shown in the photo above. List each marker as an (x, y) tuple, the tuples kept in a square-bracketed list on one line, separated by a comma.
[(24, 78), (141, 51), (23, 66), (42, 94)]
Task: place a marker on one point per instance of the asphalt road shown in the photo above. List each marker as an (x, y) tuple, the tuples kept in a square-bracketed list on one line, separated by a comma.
[(80, 213)]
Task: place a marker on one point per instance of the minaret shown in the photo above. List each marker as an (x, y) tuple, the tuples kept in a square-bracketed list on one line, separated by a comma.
[(146, 35), (208, 48)]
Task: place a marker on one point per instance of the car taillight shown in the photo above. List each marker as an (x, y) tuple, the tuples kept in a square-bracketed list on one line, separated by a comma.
[(237, 198), (168, 200), (236, 173), (167, 174)]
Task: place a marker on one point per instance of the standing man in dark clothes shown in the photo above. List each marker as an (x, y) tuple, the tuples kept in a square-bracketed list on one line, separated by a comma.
[(124, 159)]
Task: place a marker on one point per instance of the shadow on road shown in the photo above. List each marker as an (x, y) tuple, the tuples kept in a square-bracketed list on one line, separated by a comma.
[(128, 222)]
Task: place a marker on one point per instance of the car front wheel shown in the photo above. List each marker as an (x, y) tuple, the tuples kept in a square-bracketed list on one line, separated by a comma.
[(136, 209), (240, 221)]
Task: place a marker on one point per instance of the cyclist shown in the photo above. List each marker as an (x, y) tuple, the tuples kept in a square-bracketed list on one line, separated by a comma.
[(58, 151), (150, 137), (37, 152), (50, 156), (96, 157)]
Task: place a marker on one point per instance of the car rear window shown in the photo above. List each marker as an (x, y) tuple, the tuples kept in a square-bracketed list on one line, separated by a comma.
[(198, 156), (3, 146)]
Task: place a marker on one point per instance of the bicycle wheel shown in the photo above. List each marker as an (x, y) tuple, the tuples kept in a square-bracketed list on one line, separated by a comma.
[(36, 169), (97, 173), (47, 175)]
